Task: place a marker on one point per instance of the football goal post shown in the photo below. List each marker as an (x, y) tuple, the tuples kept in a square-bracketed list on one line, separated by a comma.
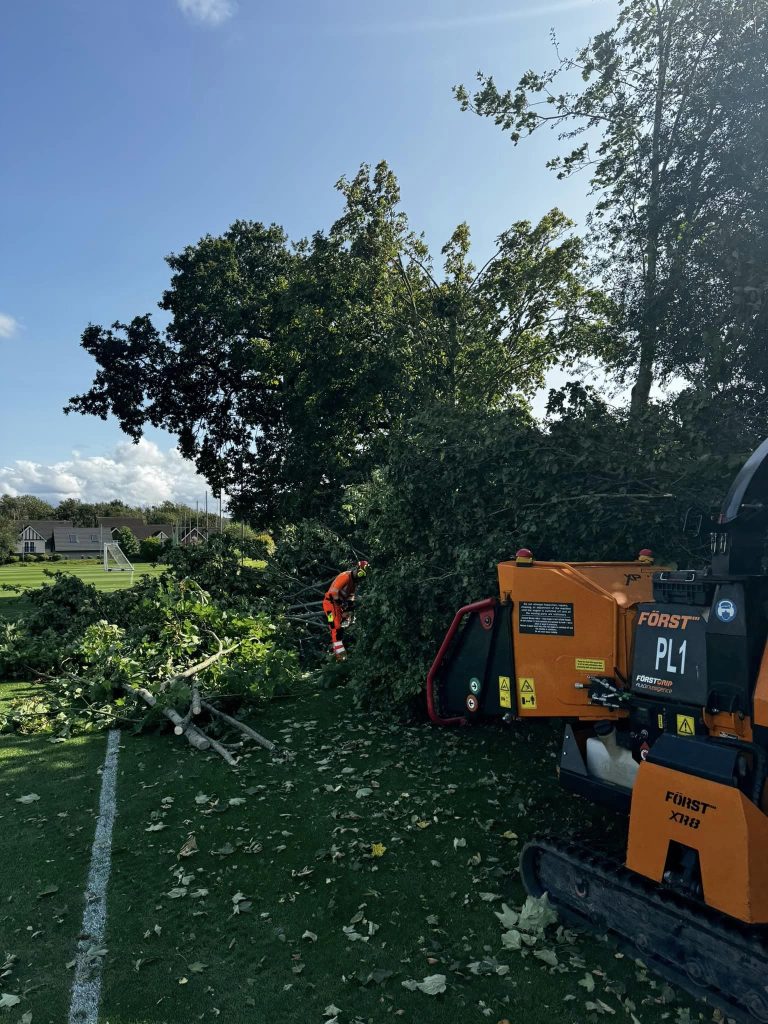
[(115, 559)]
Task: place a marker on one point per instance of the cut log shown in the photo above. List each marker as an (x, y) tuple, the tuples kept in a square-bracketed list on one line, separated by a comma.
[(196, 709), (179, 729), (194, 735), (245, 729)]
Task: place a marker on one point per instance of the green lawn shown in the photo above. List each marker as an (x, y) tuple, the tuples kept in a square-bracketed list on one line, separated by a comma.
[(293, 854), (34, 574)]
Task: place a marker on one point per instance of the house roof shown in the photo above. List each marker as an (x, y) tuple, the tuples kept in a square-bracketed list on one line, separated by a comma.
[(77, 538), (142, 531), (111, 522), (44, 527)]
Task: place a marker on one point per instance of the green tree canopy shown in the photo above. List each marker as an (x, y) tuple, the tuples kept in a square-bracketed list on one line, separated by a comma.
[(25, 506), (667, 112), (285, 367), (127, 541)]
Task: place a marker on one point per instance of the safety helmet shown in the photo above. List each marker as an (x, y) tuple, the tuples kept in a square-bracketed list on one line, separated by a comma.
[(362, 567)]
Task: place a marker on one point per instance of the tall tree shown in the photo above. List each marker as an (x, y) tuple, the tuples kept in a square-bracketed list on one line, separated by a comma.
[(285, 367), (664, 122)]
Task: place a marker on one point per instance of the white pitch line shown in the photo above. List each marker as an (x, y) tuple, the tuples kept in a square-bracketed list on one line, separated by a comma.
[(86, 987)]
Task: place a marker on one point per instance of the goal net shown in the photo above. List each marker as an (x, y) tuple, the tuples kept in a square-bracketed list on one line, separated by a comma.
[(115, 559)]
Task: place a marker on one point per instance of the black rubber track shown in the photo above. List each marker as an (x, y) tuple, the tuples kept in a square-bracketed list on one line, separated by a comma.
[(709, 955)]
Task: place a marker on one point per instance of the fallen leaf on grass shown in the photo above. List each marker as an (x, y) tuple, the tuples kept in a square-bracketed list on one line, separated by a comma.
[(600, 1007), (237, 801), (202, 798), (240, 903), (547, 955), (28, 799), (309, 935), (507, 916), (331, 1011), (156, 828), (536, 915), (377, 977), (362, 792), (197, 967), (431, 986), (588, 982), (189, 847), (7, 1000), (48, 892), (176, 893)]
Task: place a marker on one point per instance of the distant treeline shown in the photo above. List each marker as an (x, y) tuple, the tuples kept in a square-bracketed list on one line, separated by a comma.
[(81, 513)]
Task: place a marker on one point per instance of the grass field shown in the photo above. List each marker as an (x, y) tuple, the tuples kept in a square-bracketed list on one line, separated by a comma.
[(35, 574), (284, 913)]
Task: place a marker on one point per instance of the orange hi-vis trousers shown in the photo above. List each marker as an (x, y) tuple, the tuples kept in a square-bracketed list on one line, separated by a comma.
[(332, 611)]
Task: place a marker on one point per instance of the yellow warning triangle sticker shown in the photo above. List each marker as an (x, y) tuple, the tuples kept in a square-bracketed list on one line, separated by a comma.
[(685, 726), (503, 682), (526, 687)]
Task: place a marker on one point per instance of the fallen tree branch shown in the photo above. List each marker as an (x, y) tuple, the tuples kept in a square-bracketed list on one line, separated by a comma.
[(215, 745), (206, 663), (245, 729), (195, 737)]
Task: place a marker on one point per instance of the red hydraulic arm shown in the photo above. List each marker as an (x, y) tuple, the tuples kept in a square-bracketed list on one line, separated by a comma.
[(477, 606)]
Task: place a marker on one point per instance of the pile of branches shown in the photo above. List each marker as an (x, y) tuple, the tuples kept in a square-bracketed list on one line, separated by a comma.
[(162, 650)]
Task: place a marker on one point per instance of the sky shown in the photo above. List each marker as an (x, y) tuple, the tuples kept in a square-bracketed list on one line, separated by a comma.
[(130, 129)]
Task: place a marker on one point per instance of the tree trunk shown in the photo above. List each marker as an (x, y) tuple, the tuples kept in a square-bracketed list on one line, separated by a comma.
[(641, 391)]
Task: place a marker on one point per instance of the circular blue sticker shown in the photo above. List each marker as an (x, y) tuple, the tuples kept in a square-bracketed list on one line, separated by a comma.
[(726, 610)]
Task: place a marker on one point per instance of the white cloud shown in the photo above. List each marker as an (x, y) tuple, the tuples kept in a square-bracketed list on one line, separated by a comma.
[(210, 12), (139, 474), (8, 325)]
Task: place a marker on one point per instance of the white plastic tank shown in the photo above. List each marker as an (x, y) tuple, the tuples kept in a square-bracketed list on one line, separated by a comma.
[(607, 761)]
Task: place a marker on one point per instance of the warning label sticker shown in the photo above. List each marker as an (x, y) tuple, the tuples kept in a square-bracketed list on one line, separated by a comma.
[(505, 692), (526, 693), (686, 725), (590, 665), (546, 618)]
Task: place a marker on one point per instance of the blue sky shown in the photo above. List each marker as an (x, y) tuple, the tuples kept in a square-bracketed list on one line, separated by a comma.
[(130, 129)]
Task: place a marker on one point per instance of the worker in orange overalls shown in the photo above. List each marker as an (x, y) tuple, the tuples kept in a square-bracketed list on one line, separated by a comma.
[(338, 603)]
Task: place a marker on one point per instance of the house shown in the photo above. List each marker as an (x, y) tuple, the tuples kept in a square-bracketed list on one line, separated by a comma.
[(59, 536), (79, 541), (140, 529), (35, 536)]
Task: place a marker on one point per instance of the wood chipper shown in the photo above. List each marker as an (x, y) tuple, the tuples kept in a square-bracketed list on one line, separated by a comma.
[(661, 677)]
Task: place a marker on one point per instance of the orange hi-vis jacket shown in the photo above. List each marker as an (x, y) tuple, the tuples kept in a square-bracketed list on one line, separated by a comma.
[(343, 587)]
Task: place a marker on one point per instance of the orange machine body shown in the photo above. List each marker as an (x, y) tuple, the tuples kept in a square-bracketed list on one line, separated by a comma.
[(727, 830), (570, 620)]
